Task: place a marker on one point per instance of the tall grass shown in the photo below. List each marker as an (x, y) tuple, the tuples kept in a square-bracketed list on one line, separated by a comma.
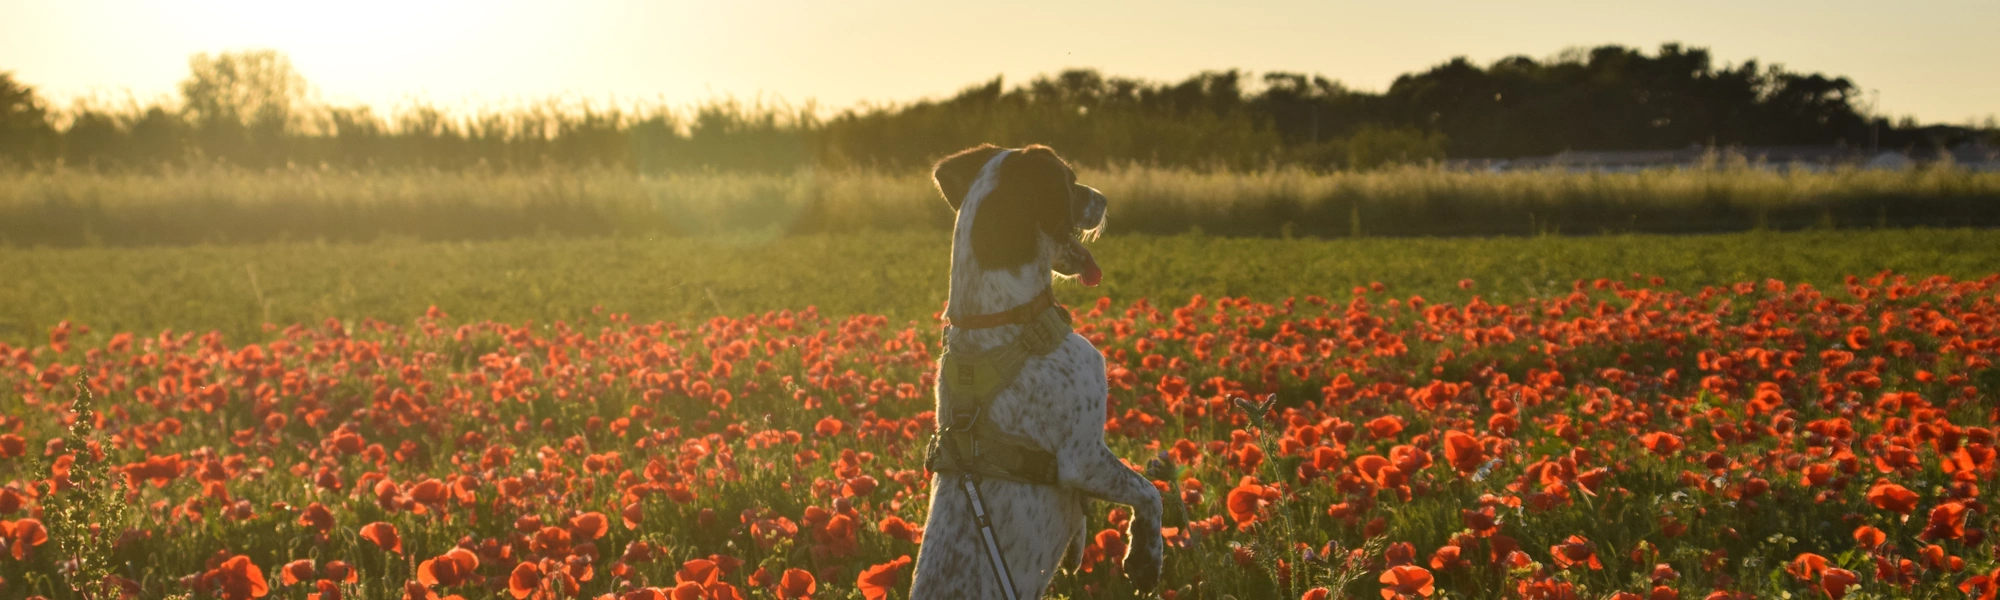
[(220, 204)]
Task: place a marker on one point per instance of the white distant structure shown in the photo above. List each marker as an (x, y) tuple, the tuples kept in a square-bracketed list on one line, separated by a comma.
[(1975, 156), (1890, 161)]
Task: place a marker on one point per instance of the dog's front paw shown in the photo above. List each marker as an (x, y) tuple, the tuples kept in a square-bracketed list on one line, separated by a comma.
[(1144, 556)]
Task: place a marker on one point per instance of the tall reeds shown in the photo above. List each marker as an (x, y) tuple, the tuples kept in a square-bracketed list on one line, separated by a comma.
[(59, 206)]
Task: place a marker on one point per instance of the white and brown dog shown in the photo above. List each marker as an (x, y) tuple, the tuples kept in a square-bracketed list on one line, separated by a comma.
[(1021, 216)]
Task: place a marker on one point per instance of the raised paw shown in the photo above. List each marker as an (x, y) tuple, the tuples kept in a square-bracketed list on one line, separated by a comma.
[(1144, 556)]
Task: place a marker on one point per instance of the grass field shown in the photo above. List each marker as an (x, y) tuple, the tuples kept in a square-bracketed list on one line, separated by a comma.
[(1754, 423), (237, 289), (82, 207)]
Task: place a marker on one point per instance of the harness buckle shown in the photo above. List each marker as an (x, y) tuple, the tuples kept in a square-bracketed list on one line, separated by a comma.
[(968, 375), (962, 421)]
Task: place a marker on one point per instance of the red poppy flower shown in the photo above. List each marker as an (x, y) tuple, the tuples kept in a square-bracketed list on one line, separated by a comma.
[(328, 590), (235, 579), (449, 569), (1463, 452), (1893, 497), (1482, 522), (898, 528), (526, 578), (339, 570), (876, 581), (1869, 537), (1406, 582), (699, 571), (1661, 443), (384, 535), (857, 486), (796, 583), (1937, 559), (25, 534), (1836, 581), (430, 491), (688, 590), (413, 590), (1385, 427), (590, 525), (1857, 338), (1447, 557), (1399, 554), (633, 515), (1947, 522), (296, 571), (550, 541), (1576, 550), (1807, 566), (317, 517), (1246, 500), (1986, 585)]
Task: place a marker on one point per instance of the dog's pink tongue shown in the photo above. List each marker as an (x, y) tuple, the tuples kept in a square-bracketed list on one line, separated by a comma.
[(1091, 275)]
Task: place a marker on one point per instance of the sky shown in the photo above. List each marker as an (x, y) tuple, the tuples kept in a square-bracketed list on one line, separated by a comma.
[(1931, 59)]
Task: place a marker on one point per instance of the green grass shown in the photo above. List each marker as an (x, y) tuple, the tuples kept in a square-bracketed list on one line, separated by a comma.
[(236, 289), (62, 207)]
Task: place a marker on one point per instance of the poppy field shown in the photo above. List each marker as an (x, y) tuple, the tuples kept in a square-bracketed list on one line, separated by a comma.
[(1617, 438)]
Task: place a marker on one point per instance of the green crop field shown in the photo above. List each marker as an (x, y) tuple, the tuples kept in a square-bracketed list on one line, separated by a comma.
[(236, 289)]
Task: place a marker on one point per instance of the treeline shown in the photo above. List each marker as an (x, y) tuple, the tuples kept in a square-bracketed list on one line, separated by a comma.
[(253, 110)]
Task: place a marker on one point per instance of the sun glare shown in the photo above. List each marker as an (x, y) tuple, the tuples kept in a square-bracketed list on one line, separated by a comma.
[(367, 50)]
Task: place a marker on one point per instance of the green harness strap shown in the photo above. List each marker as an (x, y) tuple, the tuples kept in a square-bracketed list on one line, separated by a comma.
[(970, 443)]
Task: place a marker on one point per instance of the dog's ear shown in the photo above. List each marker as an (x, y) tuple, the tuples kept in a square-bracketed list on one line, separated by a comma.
[(1030, 198), (954, 174)]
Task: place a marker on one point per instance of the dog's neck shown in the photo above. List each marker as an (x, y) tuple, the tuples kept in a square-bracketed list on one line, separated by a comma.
[(975, 290)]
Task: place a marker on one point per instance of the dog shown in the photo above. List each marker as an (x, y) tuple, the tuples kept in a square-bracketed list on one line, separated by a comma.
[(1021, 220)]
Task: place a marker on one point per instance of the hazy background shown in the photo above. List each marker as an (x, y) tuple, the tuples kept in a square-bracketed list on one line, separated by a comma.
[(1930, 59)]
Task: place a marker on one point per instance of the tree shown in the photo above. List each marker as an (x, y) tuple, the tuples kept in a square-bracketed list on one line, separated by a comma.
[(244, 87), (25, 132), (242, 102)]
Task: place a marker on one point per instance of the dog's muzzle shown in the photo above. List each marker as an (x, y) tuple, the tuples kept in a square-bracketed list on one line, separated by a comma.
[(1087, 206)]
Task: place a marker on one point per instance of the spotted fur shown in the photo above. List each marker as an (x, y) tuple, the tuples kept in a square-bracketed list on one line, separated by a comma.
[(1058, 400)]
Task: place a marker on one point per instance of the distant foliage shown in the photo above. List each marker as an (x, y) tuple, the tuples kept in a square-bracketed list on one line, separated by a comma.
[(253, 109)]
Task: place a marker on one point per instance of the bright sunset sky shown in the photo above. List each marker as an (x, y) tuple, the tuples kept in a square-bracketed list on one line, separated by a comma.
[(1933, 59)]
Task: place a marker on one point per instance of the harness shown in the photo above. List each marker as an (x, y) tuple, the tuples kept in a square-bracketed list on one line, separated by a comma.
[(972, 446), (969, 443)]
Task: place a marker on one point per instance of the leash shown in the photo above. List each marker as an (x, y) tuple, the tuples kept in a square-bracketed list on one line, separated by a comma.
[(969, 481)]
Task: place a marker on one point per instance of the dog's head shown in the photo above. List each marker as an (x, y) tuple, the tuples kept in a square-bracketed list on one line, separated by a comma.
[(1028, 203)]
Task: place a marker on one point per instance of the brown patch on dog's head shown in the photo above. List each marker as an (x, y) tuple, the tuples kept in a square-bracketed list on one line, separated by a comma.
[(1034, 193), (1030, 195)]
